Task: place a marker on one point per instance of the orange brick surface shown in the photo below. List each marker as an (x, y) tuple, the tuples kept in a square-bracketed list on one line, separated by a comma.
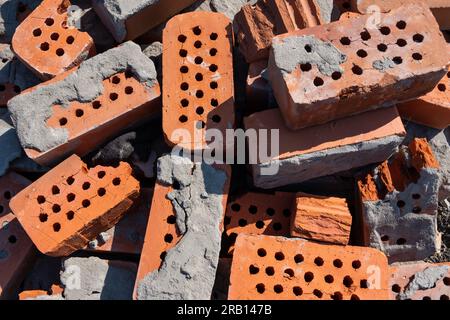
[(47, 44), (198, 77), (69, 206), (277, 268), (368, 68)]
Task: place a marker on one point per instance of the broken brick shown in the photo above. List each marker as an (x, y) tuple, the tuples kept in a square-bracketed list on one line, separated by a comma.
[(327, 149), (198, 85), (278, 268), (363, 69), (323, 219), (84, 108), (70, 205)]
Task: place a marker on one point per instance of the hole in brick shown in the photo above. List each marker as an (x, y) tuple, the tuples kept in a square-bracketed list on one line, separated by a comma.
[(197, 31), (426, 298), (289, 273), (45, 46), (348, 281), (337, 296), (361, 53), (168, 238), (356, 264), (71, 197), (199, 94), (309, 276), (56, 208), (448, 75), (182, 38), (213, 36), (213, 85), (129, 90), (56, 227), (365, 35), (184, 103), (398, 60), (70, 40), (49, 22), (96, 105), (60, 52), (345, 41), (242, 222), (364, 284), (216, 118), (200, 110), (444, 297), (262, 252), (183, 53), (297, 291), (214, 102), (43, 217), (446, 281), (318, 293), (86, 186), (101, 192), (329, 278), (396, 288), (54, 36), (70, 181), (86, 203), (260, 287), (253, 269), (417, 210), (401, 241), (37, 32), (277, 226), (306, 67), (116, 181), (318, 82), (199, 77), (357, 70), (385, 238), (236, 207), (270, 271), (213, 68), (318, 261), (385, 30), (308, 48), (336, 75), (198, 60), (354, 297), (337, 263), (184, 69), (198, 44), (441, 87), (416, 196), (213, 52), (171, 219), (417, 56), (286, 213), (163, 255), (260, 224), (114, 96), (70, 215), (253, 209), (402, 42), (55, 190), (12, 239), (382, 47), (41, 199), (278, 288), (101, 174), (279, 256), (115, 80), (401, 25), (299, 258), (270, 212), (418, 38), (79, 113)]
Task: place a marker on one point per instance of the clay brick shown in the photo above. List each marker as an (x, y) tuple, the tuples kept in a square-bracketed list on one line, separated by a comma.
[(70, 205), (363, 69), (434, 279), (198, 77), (47, 44), (126, 20), (324, 219), (84, 108), (258, 90), (258, 213), (326, 149), (165, 238), (398, 204), (17, 252), (433, 109), (278, 268), (258, 23), (127, 236)]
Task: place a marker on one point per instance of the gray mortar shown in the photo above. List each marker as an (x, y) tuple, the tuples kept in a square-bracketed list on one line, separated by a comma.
[(8, 16), (326, 10), (383, 65), (322, 163), (10, 146), (424, 280), (189, 269), (290, 52), (83, 85), (229, 7), (100, 280)]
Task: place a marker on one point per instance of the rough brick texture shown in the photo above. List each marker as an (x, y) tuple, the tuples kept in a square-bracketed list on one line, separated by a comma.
[(17, 252), (324, 219), (47, 44), (433, 109), (126, 20), (399, 202), (267, 267), (327, 149), (328, 72), (84, 108), (70, 205), (198, 77)]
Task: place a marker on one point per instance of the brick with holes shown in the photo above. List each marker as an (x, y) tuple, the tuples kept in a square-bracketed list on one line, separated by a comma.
[(48, 43), (198, 78), (420, 281), (326, 149), (258, 213), (17, 252), (182, 243), (323, 219), (126, 20), (278, 268), (258, 23), (80, 110), (433, 109), (398, 204), (329, 72), (70, 205), (13, 13)]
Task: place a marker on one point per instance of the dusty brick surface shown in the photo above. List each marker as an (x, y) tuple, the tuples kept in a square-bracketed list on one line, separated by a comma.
[(278, 268), (69, 206), (328, 72)]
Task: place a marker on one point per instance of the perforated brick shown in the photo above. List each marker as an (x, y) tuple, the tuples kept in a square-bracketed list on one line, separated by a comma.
[(70, 205), (278, 268), (258, 213), (17, 252), (80, 110), (198, 77), (329, 72), (433, 109), (48, 44)]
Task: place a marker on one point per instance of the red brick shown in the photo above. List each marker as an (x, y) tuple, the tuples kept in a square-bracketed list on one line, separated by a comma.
[(359, 80), (267, 267), (198, 77), (70, 205), (47, 45)]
